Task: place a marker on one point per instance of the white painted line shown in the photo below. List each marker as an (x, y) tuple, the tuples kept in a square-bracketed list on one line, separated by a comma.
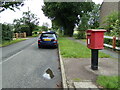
[(11, 57)]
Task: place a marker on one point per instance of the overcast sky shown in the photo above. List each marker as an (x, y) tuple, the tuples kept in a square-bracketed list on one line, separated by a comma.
[(34, 6)]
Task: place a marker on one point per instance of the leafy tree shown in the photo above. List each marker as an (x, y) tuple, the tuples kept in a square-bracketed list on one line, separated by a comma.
[(112, 23), (88, 20), (83, 26), (17, 24), (37, 28), (9, 5), (29, 21), (65, 14), (54, 26), (46, 24), (44, 28), (94, 16)]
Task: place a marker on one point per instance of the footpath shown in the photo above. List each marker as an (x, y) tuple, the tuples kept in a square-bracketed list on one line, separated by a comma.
[(77, 73)]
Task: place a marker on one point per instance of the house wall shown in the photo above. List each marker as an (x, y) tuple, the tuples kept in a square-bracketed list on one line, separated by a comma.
[(106, 9)]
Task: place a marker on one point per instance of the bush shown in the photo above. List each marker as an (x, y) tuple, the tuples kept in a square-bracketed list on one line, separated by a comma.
[(112, 24), (108, 41), (80, 35), (7, 33)]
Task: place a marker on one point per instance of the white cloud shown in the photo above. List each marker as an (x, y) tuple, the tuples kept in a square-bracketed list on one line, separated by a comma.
[(98, 1), (35, 7)]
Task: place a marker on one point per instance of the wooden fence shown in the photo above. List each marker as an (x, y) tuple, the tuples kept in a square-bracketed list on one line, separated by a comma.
[(113, 46), (19, 35)]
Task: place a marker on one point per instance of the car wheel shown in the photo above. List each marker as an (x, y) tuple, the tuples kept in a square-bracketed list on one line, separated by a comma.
[(39, 46), (56, 46)]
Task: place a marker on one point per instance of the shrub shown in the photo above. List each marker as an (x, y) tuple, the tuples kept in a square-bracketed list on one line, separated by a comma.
[(112, 24), (7, 33), (80, 35)]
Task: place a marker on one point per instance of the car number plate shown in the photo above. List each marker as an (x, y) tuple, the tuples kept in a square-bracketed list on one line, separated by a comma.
[(47, 39)]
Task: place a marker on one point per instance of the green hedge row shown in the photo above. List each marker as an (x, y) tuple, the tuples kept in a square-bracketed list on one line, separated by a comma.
[(7, 33)]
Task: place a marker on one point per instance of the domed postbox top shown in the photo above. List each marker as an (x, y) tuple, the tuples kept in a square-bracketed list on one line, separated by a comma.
[(96, 30)]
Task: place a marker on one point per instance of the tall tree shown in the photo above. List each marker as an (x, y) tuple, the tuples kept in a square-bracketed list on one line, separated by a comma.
[(17, 24), (83, 26), (29, 20), (65, 14), (46, 24), (9, 5), (94, 16)]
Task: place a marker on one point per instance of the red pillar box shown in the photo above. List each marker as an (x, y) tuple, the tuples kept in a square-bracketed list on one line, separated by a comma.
[(95, 38), (95, 41)]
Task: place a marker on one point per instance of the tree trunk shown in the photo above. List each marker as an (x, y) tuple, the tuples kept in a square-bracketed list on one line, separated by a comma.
[(69, 31), (65, 32), (30, 31)]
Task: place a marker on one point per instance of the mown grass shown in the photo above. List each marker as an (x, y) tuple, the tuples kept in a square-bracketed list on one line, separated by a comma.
[(6, 43), (84, 40), (109, 81), (72, 49)]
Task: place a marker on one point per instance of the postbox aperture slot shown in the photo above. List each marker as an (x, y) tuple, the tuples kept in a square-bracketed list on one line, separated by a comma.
[(88, 34)]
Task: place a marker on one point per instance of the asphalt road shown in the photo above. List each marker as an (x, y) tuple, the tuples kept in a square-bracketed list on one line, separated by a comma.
[(14, 48), (24, 64)]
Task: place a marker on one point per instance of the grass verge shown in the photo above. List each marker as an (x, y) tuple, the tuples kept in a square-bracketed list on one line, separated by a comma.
[(108, 81), (6, 43), (72, 49)]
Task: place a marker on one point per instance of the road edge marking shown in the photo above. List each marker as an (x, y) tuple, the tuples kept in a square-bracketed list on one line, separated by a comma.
[(11, 57), (14, 55)]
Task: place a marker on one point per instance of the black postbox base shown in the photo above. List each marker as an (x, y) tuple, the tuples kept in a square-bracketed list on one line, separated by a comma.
[(94, 59)]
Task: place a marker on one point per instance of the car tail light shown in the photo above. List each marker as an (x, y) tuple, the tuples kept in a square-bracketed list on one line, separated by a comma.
[(39, 39), (55, 40)]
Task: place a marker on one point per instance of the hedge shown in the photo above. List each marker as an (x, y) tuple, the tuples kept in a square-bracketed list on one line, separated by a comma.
[(7, 33)]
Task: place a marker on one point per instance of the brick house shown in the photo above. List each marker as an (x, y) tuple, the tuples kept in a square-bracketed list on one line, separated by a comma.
[(107, 8)]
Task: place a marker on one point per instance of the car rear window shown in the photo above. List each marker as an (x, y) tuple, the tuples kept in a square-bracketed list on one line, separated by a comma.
[(48, 35)]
